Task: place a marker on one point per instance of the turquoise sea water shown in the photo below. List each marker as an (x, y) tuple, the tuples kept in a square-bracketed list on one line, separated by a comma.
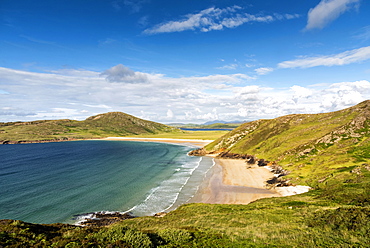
[(54, 182)]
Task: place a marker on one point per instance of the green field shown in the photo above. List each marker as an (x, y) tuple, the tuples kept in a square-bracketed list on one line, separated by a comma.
[(204, 135)]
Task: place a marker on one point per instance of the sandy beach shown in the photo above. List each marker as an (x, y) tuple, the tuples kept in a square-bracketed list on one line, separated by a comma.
[(232, 181), (193, 142), (229, 181)]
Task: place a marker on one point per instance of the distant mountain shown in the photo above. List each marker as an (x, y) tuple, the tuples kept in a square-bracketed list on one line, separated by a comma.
[(223, 122), (99, 126), (208, 125), (311, 145)]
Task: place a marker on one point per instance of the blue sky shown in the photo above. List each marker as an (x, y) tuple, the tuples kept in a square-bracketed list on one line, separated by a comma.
[(182, 61)]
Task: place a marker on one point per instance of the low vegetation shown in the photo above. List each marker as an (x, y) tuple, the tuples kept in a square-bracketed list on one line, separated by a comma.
[(99, 126), (311, 146), (329, 152), (335, 214)]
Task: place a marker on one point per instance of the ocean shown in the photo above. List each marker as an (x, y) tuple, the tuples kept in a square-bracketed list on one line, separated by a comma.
[(62, 181)]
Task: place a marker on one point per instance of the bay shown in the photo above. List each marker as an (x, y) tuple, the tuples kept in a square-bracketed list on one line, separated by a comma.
[(53, 182)]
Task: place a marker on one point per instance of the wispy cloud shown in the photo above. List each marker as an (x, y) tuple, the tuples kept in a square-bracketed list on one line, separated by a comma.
[(42, 42), (327, 11), (363, 34), (215, 19), (228, 67), (263, 70), (134, 5), (347, 57)]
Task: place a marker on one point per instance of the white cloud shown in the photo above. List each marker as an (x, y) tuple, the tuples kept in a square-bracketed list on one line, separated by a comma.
[(248, 93), (300, 92), (228, 67), (123, 74), (165, 99), (347, 57), (263, 70), (341, 95), (327, 11), (170, 114), (213, 19)]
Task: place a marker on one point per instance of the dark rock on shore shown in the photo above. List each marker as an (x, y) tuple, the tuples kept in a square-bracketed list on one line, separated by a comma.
[(100, 219), (160, 214), (235, 156), (279, 172), (198, 152)]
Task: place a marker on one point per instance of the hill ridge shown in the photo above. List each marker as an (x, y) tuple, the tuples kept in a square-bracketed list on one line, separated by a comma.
[(309, 141), (97, 126)]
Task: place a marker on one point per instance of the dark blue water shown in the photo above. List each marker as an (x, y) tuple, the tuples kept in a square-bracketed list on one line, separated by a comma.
[(52, 182)]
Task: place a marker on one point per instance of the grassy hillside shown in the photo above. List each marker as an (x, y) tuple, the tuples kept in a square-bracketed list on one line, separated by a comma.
[(330, 152), (311, 146), (319, 218), (103, 125)]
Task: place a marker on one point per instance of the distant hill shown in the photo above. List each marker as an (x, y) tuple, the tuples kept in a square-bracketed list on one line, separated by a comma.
[(99, 126), (311, 145), (223, 122), (207, 126)]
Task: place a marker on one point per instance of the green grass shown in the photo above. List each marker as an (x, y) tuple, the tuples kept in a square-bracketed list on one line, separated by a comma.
[(107, 125), (203, 135), (100, 126), (335, 214), (329, 152)]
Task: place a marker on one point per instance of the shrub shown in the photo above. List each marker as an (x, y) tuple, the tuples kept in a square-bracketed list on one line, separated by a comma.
[(123, 236), (353, 218), (175, 236), (137, 239)]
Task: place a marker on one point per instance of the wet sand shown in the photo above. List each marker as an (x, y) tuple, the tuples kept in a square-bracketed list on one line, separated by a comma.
[(232, 181)]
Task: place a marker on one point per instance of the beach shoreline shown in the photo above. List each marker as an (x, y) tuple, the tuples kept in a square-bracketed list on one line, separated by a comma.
[(231, 181), (228, 181), (192, 142)]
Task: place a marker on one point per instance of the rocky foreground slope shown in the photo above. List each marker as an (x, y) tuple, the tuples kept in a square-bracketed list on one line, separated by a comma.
[(99, 126)]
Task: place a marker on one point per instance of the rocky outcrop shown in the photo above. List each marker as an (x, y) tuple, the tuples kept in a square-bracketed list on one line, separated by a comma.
[(250, 159), (100, 219), (198, 152)]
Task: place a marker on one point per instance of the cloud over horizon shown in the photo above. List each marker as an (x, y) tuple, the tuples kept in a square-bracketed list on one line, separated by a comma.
[(164, 99)]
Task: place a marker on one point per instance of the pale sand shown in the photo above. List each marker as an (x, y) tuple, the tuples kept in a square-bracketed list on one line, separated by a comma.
[(193, 142), (232, 181)]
